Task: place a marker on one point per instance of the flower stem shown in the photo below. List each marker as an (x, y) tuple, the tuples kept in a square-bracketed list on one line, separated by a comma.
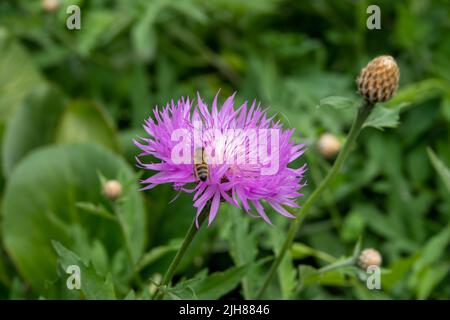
[(190, 235), (363, 112)]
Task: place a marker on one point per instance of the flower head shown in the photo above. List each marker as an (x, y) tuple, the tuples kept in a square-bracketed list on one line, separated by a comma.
[(378, 81), (237, 155)]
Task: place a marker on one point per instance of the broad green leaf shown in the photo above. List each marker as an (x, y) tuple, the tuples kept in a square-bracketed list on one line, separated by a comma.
[(85, 121), (33, 125), (381, 118), (93, 286), (440, 167), (53, 180), (339, 102)]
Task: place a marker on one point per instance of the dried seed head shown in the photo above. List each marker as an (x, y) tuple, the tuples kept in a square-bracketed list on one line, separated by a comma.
[(50, 5), (112, 189), (328, 145), (369, 257), (378, 81)]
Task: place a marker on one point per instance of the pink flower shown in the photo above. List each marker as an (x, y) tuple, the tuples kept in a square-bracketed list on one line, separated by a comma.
[(247, 155)]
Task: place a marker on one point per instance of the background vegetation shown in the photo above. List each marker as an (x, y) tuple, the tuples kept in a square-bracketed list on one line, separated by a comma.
[(72, 101)]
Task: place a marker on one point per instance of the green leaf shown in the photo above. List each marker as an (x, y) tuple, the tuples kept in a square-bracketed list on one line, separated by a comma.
[(18, 75), (158, 252), (100, 27), (53, 180), (143, 35), (211, 287), (300, 251), (381, 118), (243, 249), (430, 279), (93, 286), (220, 283), (309, 276), (85, 121), (416, 93), (287, 273), (338, 102), (33, 125), (440, 167)]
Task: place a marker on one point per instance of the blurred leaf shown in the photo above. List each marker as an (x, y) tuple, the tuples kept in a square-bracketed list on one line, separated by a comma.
[(85, 121), (352, 226), (381, 118), (416, 93), (213, 286), (53, 179), (99, 27), (287, 273), (339, 102), (243, 249), (398, 271), (143, 35), (93, 286), (18, 75), (426, 274), (309, 275), (430, 279), (158, 252), (301, 251), (441, 169), (33, 125)]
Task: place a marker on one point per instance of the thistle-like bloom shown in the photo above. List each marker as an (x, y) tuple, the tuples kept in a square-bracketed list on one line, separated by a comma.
[(244, 156)]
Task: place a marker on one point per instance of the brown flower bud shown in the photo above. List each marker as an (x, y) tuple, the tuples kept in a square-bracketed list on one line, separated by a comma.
[(112, 189), (369, 257), (328, 145), (378, 81)]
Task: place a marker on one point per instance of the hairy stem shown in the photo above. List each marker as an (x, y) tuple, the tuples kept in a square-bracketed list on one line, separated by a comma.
[(190, 235), (363, 112)]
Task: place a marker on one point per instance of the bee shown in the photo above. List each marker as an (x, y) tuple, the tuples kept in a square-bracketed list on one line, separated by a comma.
[(201, 169)]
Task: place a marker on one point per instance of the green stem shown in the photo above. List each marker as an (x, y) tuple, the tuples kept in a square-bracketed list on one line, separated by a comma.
[(361, 117), (338, 264), (190, 235)]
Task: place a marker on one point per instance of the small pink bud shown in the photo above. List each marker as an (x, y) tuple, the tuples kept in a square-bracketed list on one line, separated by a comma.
[(112, 189), (328, 145), (369, 257)]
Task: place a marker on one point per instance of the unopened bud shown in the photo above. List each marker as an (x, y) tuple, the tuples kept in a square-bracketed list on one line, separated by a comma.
[(328, 145), (50, 5), (112, 189), (369, 257), (378, 81)]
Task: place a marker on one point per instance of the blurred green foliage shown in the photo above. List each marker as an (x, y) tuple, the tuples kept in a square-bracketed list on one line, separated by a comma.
[(71, 101)]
